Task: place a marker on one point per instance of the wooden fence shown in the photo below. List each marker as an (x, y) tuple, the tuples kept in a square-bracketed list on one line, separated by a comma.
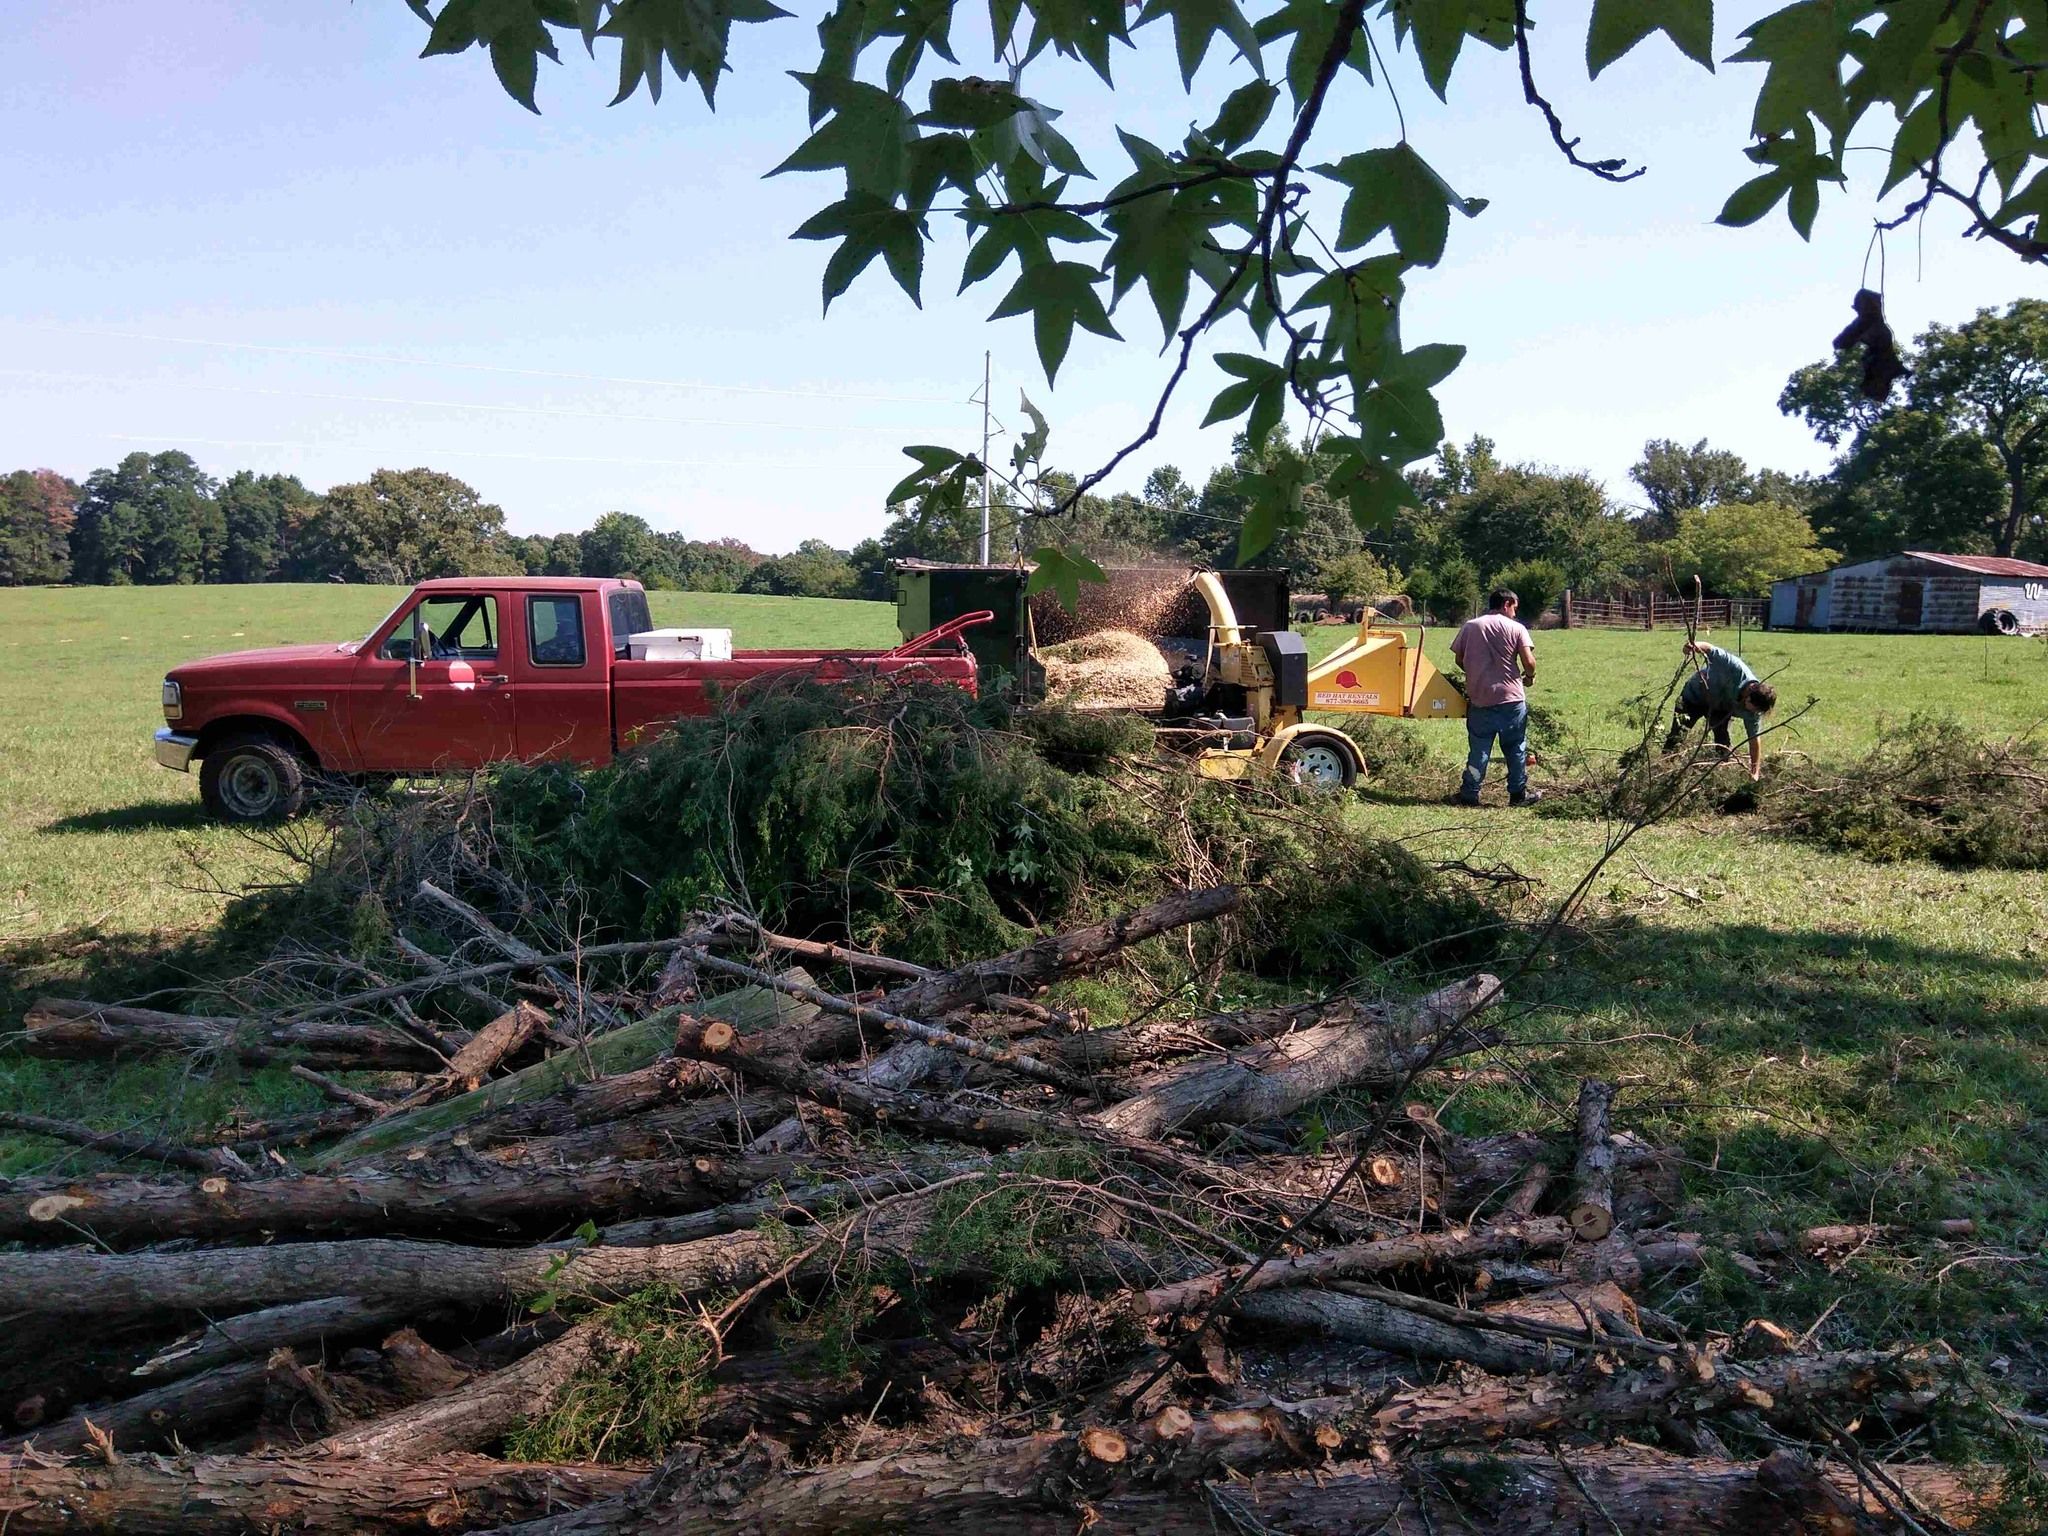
[(1662, 612)]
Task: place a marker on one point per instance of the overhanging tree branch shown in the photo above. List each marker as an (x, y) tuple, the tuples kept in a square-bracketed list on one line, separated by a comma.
[(1607, 170)]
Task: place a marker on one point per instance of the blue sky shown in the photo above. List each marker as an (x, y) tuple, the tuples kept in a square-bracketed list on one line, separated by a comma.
[(273, 236)]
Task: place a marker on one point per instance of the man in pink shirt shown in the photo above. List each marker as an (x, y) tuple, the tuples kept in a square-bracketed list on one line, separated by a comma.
[(1499, 658)]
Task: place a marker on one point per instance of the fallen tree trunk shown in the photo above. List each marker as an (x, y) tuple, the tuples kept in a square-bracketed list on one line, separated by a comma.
[(636, 1046), (1277, 1079), (1109, 1050), (478, 1412), (309, 1494), (1022, 972), (1591, 1212), (182, 1412), (454, 1197), (711, 1124), (80, 1031), (1421, 1249), (1033, 1487), (254, 1335), (374, 1269), (119, 1143), (504, 1036), (1397, 1331)]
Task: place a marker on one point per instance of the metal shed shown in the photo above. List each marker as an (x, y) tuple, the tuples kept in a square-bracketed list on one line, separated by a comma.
[(1917, 592)]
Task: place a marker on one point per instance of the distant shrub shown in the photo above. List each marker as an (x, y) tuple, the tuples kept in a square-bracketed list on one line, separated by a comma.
[(1536, 582)]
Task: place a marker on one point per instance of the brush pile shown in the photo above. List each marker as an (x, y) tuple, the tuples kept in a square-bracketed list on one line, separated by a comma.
[(1931, 789), (744, 1252)]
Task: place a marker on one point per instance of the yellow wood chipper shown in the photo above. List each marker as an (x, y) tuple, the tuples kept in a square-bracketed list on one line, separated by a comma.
[(1245, 713), (1241, 682)]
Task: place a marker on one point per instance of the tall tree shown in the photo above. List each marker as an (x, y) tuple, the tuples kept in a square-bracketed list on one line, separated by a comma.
[(261, 515), (1740, 548), (151, 520), (620, 544), (1517, 512), (1675, 477), (813, 569), (407, 525), (37, 509), (1283, 216), (714, 565), (564, 556), (1976, 407)]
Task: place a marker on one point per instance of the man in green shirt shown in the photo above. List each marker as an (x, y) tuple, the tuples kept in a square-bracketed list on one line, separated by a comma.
[(1719, 691)]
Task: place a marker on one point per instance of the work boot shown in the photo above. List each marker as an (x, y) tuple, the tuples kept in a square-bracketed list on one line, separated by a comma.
[(1457, 797), (1526, 797)]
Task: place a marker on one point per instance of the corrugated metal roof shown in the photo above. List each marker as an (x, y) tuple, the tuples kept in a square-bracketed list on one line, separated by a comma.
[(1982, 565)]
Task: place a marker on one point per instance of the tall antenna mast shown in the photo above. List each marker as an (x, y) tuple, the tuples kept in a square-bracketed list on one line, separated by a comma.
[(984, 455)]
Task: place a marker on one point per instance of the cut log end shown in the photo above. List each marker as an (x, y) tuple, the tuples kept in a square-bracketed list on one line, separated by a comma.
[(718, 1036), (1590, 1221), (1104, 1445)]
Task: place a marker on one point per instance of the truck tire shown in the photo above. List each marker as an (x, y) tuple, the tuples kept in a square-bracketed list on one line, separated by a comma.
[(1319, 761), (1999, 621), (252, 779)]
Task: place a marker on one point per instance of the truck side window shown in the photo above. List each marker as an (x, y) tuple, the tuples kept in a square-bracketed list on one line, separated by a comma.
[(554, 631), (629, 617), (462, 626)]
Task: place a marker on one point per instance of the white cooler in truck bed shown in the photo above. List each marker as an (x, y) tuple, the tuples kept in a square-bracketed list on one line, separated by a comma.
[(680, 645)]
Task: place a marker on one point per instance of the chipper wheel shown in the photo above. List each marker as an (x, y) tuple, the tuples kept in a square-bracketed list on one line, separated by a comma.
[(1321, 761)]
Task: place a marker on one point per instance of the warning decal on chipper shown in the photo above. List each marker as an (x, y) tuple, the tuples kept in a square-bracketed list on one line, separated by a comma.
[(1336, 698)]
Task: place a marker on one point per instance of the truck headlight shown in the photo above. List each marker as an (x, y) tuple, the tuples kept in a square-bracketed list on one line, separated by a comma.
[(174, 700)]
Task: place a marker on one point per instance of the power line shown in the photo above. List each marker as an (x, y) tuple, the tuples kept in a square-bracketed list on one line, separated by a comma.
[(477, 453), (445, 405), (334, 353)]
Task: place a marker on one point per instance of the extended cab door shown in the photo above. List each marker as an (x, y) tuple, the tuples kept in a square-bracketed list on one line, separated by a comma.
[(454, 708), (563, 673)]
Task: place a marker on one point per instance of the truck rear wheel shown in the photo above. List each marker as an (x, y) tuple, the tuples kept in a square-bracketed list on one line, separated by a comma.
[(1319, 761), (248, 780)]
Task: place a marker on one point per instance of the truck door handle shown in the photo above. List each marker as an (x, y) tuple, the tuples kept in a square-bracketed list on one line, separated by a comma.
[(496, 677)]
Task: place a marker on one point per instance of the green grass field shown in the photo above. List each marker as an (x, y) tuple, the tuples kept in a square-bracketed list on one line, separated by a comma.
[(1823, 1037)]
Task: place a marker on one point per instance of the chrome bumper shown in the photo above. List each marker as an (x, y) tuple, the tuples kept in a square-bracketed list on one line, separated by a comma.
[(175, 751)]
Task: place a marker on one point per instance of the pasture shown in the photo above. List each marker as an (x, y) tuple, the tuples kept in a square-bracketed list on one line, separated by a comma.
[(1824, 1037)]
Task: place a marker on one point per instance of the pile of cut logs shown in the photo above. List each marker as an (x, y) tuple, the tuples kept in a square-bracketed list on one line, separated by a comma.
[(1100, 1285)]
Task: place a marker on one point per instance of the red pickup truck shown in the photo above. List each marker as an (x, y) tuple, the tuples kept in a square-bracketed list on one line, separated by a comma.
[(468, 672)]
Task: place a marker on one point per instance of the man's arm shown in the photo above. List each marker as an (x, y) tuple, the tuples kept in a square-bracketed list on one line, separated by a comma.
[(1754, 728), (1458, 646), (1528, 658)]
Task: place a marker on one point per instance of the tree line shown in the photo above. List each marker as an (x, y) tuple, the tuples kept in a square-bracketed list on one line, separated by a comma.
[(1957, 464)]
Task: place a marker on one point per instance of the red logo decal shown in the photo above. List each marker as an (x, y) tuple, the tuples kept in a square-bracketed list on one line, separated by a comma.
[(1347, 679)]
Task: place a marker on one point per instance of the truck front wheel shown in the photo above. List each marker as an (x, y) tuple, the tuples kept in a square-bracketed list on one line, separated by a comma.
[(252, 779)]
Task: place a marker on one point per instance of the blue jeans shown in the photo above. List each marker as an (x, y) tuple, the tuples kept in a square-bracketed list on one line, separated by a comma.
[(1509, 722)]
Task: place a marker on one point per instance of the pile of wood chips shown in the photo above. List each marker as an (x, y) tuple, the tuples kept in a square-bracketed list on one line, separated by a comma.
[(1405, 1331), (1111, 669)]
